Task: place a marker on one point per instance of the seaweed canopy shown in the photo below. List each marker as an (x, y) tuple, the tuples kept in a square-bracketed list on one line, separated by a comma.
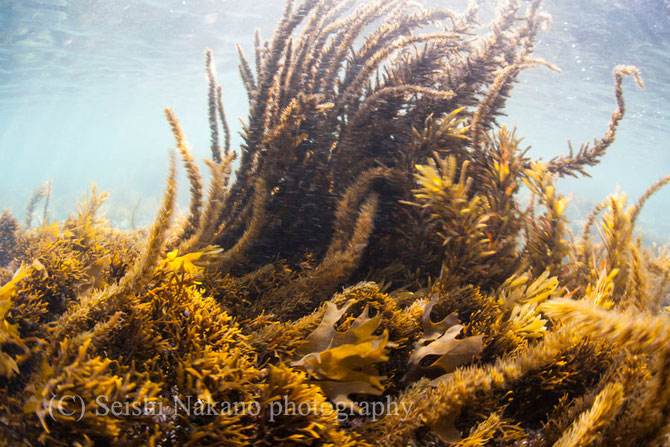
[(371, 151), (344, 100)]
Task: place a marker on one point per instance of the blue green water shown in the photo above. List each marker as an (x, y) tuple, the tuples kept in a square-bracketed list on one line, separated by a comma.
[(83, 84)]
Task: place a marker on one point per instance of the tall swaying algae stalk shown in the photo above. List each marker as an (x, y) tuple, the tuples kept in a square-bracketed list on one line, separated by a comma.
[(368, 275)]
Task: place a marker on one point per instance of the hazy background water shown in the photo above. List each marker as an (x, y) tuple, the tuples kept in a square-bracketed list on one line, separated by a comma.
[(83, 84)]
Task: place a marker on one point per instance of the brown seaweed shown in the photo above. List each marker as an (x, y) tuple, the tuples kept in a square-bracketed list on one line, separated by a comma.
[(371, 251)]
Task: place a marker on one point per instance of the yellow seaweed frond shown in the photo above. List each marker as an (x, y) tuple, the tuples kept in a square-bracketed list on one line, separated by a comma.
[(638, 332), (588, 155), (190, 263), (585, 430), (79, 315), (342, 362), (76, 397), (439, 344), (438, 407), (289, 390), (491, 430), (192, 172), (9, 334)]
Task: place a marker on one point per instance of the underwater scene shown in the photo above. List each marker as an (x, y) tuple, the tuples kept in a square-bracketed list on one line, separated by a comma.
[(334, 223)]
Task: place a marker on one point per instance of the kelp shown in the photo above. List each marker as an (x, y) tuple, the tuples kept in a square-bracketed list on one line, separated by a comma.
[(373, 272)]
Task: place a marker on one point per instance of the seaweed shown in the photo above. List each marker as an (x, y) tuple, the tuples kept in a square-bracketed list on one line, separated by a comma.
[(41, 193), (9, 228), (371, 273)]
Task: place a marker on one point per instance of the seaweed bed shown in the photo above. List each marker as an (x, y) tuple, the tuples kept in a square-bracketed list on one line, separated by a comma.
[(369, 276)]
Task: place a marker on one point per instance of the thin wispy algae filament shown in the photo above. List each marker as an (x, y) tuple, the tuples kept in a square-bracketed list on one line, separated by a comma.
[(370, 250)]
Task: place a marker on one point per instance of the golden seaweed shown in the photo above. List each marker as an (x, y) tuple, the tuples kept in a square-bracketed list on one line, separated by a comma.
[(372, 250)]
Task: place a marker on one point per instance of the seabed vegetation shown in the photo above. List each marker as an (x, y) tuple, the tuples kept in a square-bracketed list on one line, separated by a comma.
[(372, 250)]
